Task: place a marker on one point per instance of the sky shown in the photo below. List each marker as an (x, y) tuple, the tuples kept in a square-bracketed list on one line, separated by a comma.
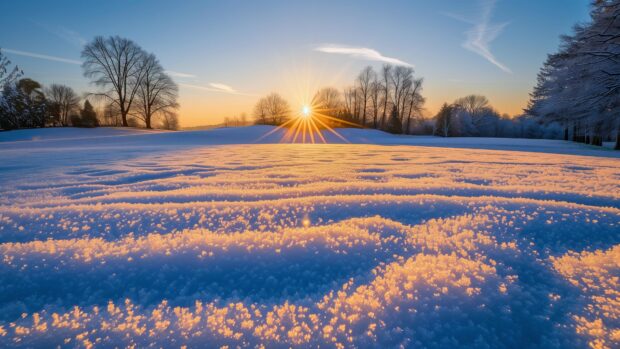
[(226, 54)]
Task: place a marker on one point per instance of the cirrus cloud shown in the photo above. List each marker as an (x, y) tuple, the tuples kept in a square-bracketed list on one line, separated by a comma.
[(364, 53)]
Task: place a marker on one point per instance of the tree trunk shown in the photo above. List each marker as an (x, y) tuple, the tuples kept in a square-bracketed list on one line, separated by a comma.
[(617, 146), (566, 132), (574, 131), (124, 118)]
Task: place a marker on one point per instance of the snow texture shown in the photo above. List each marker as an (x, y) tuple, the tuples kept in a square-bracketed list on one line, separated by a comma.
[(217, 238)]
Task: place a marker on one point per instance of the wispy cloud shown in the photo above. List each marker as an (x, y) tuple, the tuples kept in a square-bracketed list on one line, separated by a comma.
[(42, 56), (483, 33), (216, 87), (70, 36), (177, 74), (360, 53), (222, 87)]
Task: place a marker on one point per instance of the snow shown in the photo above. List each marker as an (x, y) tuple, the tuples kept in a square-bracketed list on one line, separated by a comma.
[(114, 237)]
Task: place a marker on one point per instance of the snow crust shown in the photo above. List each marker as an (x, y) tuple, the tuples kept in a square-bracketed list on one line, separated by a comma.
[(207, 239)]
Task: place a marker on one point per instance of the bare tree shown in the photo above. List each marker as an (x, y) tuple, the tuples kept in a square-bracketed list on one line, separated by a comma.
[(364, 81), (386, 73), (401, 79), (328, 101), (169, 120), (416, 102), (375, 91), (272, 110), (157, 92), (349, 101), (63, 102), (115, 63), (472, 103)]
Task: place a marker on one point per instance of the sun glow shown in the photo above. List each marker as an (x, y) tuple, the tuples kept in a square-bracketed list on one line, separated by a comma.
[(311, 124)]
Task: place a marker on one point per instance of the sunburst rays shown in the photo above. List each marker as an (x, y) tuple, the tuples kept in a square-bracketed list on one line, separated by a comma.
[(309, 125)]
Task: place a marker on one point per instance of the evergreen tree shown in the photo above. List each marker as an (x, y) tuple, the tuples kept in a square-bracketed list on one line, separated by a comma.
[(394, 124), (87, 117)]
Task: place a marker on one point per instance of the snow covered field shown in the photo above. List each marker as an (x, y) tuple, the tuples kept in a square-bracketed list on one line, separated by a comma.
[(123, 237)]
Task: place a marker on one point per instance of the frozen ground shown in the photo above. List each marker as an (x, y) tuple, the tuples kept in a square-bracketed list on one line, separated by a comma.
[(122, 237)]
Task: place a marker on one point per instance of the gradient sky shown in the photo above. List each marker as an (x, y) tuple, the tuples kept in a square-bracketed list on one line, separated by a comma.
[(225, 54)]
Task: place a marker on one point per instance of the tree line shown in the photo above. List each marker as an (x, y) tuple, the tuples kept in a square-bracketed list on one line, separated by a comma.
[(133, 89), (578, 86), (391, 100), (387, 100)]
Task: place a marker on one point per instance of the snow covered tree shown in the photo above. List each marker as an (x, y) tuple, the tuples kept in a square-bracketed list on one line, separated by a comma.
[(443, 121), (579, 85), (23, 105), (8, 75)]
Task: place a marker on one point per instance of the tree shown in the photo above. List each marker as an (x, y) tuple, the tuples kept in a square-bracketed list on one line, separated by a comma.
[(87, 117), (375, 91), (579, 84), (443, 120), (63, 102), (394, 124), (476, 116), (8, 75), (115, 64), (415, 102), (271, 110), (386, 73), (157, 92), (35, 108), (328, 101), (11, 106), (170, 120), (364, 82)]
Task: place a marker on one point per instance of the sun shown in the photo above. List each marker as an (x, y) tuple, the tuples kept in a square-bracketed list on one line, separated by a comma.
[(306, 111), (310, 124)]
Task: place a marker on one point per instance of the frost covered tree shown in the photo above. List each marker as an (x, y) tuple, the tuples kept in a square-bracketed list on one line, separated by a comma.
[(23, 105), (8, 75), (444, 123), (63, 102), (157, 92), (578, 86), (476, 117), (117, 65)]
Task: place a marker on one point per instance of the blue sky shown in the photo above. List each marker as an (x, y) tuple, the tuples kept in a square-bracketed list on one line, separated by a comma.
[(228, 53)]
